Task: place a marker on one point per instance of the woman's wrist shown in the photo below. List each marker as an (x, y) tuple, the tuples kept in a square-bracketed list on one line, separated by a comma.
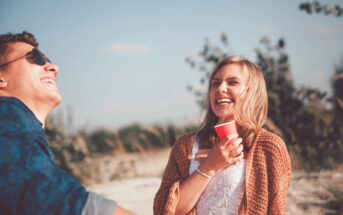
[(203, 174), (206, 170)]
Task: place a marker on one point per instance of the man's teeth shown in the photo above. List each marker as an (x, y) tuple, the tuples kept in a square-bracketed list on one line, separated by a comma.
[(48, 80), (224, 101)]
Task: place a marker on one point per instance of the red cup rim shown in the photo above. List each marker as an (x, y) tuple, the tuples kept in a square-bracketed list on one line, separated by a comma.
[(223, 124)]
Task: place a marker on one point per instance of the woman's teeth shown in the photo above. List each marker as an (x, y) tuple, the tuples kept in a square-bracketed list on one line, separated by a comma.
[(220, 101)]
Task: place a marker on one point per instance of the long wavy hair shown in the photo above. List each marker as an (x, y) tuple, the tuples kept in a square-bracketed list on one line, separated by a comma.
[(250, 111)]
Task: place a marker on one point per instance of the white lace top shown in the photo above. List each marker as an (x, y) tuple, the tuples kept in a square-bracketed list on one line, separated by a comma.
[(224, 192)]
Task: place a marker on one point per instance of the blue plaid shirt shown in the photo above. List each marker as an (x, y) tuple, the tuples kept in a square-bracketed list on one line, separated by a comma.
[(30, 181)]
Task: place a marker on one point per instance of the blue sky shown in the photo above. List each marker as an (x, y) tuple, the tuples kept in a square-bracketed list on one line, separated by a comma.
[(124, 61)]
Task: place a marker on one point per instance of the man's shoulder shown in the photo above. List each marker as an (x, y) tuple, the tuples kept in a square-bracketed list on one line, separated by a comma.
[(9, 109), (20, 134), (15, 117)]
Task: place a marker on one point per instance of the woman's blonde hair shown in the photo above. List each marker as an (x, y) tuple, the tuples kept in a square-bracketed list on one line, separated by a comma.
[(249, 113)]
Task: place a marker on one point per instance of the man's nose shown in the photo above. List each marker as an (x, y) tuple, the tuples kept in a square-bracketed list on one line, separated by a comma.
[(49, 67)]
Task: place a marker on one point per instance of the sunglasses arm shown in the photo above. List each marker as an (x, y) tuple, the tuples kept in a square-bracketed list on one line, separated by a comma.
[(5, 64)]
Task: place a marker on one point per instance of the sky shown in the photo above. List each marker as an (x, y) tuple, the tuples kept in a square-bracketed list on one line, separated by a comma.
[(123, 62)]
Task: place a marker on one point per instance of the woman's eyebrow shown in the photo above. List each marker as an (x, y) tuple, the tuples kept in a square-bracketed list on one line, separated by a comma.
[(233, 78), (229, 78)]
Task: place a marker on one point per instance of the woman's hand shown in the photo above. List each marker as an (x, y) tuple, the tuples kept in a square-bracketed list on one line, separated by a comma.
[(228, 151)]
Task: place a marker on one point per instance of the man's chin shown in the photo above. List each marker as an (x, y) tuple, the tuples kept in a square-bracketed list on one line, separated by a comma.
[(56, 100), (59, 100)]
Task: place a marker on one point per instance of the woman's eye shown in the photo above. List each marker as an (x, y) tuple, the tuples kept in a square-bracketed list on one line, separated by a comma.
[(216, 83), (233, 82)]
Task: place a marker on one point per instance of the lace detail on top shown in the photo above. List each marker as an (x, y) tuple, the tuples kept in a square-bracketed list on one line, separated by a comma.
[(224, 192)]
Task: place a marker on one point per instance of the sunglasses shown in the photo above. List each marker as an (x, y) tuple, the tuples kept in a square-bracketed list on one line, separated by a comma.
[(37, 56)]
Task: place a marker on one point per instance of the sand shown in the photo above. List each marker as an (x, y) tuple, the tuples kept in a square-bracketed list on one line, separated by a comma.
[(135, 190), (136, 194)]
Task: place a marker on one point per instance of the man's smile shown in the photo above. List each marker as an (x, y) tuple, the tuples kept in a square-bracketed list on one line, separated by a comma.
[(48, 79)]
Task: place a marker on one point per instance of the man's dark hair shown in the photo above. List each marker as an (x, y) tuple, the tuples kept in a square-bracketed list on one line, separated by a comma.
[(6, 39)]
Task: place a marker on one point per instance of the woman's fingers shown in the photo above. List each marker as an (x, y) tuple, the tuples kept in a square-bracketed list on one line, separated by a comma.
[(233, 144), (232, 147), (232, 136), (237, 151), (234, 160), (228, 151), (228, 139)]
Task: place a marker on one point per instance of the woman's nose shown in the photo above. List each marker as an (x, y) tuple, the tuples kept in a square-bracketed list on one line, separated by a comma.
[(222, 87)]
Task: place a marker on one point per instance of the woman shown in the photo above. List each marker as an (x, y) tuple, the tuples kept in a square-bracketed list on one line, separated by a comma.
[(249, 174)]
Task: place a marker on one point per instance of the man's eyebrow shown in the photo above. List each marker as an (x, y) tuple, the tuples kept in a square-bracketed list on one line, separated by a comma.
[(8, 51)]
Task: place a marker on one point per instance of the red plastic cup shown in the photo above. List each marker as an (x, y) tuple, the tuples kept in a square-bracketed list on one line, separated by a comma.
[(225, 129)]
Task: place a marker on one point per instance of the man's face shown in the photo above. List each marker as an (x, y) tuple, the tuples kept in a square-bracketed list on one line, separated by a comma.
[(33, 84)]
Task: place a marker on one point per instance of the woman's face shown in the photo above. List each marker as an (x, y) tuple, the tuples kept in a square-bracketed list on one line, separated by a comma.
[(226, 88)]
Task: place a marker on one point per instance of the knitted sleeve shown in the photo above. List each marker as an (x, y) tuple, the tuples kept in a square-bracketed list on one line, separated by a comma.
[(269, 176), (268, 171), (176, 171), (279, 174)]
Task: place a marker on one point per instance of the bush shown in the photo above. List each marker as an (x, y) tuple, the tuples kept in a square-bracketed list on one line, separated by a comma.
[(310, 122)]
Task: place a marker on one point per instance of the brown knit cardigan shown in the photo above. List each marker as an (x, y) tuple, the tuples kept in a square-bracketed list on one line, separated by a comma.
[(268, 171)]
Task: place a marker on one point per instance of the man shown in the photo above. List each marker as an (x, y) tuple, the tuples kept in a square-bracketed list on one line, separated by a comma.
[(30, 181)]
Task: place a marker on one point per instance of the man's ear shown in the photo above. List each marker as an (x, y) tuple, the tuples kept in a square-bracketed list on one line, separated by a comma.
[(3, 83)]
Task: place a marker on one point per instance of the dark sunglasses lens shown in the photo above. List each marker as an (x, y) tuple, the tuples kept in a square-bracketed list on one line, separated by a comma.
[(38, 57)]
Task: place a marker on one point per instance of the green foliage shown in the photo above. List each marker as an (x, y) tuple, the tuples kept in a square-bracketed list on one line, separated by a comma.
[(311, 128), (337, 88), (210, 56), (137, 138), (337, 203), (327, 9), (64, 146), (74, 152), (101, 141), (301, 113)]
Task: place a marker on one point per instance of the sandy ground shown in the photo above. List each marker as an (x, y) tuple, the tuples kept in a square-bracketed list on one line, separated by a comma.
[(308, 192), (141, 177), (136, 194)]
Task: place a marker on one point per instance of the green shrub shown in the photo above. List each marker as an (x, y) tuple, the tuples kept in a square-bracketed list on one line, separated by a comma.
[(310, 122)]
